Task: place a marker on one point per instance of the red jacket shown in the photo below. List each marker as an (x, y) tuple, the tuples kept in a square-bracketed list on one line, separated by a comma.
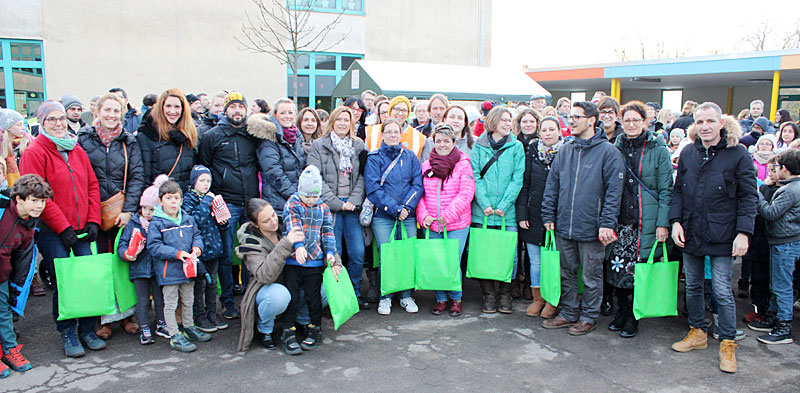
[(76, 194), (16, 235)]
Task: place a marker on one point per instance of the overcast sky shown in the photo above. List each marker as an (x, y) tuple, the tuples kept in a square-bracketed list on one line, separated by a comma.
[(554, 33)]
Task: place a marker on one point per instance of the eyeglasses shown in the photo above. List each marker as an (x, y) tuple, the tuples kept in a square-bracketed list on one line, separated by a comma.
[(632, 121), (576, 117), (54, 120), (607, 113), (401, 110)]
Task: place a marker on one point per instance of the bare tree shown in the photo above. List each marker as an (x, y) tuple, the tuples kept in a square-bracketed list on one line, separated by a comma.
[(621, 50), (757, 37), (284, 30), (792, 38)]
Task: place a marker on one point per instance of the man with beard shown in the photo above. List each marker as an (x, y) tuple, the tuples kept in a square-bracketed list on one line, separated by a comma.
[(74, 110), (230, 153)]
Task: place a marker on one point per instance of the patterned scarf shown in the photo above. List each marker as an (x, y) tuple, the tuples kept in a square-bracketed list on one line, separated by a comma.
[(290, 134), (343, 146), (107, 136), (547, 154)]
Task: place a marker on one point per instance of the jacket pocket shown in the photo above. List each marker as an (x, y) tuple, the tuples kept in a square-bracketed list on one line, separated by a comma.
[(730, 185), (721, 227)]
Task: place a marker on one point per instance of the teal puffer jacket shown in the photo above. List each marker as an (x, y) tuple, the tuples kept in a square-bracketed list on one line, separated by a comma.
[(502, 182)]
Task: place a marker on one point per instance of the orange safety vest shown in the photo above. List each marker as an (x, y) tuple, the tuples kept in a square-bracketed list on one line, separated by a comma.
[(410, 139)]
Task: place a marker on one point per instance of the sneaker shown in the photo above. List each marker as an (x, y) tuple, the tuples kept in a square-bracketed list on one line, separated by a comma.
[(740, 335), (313, 339), (180, 343), (161, 329), (385, 306), (267, 342), (727, 356), (15, 360), (146, 337), (93, 342), (439, 308), (216, 321), (4, 370), (194, 334), (204, 325), (455, 308), (764, 325), (362, 304), (231, 313), (237, 289), (72, 346), (780, 334), (409, 304), (290, 345), (797, 304), (695, 339)]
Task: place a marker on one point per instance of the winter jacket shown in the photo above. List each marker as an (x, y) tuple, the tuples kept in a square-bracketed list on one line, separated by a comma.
[(317, 224), (750, 139), (715, 197), (16, 238), (529, 202), (746, 124), (208, 121), (654, 169), (584, 188), (280, 162), (450, 198), (230, 154), (323, 156), (142, 267), (782, 213), (200, 209), (160, 156), (165, 239), (76, 195), (109, 166), (402, 187), (461, 144), (132, 120), (500, 187)]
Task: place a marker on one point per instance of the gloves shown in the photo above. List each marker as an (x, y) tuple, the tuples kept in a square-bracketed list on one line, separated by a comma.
[(90, 230), (68, 237)]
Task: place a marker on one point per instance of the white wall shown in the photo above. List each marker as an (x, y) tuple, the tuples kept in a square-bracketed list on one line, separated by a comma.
[(21, 21)]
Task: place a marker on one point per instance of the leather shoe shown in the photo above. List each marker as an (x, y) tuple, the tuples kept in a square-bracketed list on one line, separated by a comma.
[(103, 332), (556, 323), (581, 328)]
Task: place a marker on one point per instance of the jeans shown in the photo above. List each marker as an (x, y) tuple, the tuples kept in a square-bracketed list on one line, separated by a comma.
[(271, 301), (303, 317), (782, 259), (205, 294), (347, 229), (535, 256), (461, 235), (591, 255), (51, 247), (382, 228), (225, 263), (143, 289), (721, 276), (7, 336)]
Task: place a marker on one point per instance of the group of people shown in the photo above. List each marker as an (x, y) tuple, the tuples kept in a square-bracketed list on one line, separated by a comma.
[(173, 191)]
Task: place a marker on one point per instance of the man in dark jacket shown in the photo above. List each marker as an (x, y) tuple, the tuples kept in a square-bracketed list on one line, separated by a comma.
[(132, 117), (436, 107), (581, 202), (712, 214), (74, 111), (230, 152)]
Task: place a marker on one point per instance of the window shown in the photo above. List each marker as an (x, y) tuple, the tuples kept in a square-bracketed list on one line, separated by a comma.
[(576, 96), (21, 75), (317, 79), (350, 7), (672, 100)]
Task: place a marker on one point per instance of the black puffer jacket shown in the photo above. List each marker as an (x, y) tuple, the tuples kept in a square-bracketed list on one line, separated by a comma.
[(109, 164), (159, 156), (280, 162), (230, 154), (529, 202)]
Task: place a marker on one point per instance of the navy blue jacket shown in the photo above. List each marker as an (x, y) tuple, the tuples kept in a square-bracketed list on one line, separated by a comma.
[(403, 185), (200, 210), (164, 240), (142, 267), (281, 163)]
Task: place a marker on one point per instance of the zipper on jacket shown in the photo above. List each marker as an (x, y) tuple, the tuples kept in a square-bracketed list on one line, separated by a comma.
[(574, 188)]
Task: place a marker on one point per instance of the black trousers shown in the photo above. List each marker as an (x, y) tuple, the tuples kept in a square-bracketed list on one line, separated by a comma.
[(308, 279), (759, 283)]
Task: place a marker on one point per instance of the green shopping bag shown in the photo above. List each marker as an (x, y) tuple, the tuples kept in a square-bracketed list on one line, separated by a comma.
[(235, 259), (124, 290), (655, 287), (376, 255), (341, 296), (397, 263), (85, 285), (437, 263), (491, 253), (550, 270)]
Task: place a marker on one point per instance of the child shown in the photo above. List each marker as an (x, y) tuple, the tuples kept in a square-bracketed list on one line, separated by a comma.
[(141, 264), (197, 203), (20, 215), (303, 270), (174, 242)]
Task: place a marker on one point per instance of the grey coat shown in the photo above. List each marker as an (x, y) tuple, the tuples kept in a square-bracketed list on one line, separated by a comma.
[(782, 213), (323, 156)]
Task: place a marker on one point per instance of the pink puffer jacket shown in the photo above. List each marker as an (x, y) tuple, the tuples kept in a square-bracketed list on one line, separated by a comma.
[(454, 198)]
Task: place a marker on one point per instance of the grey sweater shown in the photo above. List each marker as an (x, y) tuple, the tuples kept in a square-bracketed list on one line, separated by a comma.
[(782, 213)]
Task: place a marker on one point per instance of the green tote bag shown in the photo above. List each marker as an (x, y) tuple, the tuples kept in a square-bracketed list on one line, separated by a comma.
[(341, 296), (550, 270), (85, 285), (397, 263), (655, 287), (491, 253), (437, 263), (124, 290)]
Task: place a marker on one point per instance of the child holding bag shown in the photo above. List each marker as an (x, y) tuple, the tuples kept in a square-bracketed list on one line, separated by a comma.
[(175, 244)]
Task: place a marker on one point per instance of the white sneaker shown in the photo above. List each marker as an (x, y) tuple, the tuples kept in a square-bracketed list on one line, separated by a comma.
[(409, 304), (385, 306), (797, 305)]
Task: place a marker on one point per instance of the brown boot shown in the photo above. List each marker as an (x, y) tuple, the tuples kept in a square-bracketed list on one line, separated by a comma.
[(103, 332), (516, 292), (505, 297), (489, 299), (129, 326), (549, 311), (727, 356), (696, 339), (36, 289), (538, 304)]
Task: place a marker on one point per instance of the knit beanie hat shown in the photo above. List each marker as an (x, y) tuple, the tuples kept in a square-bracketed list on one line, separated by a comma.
[(49, 106), (9, 117), (310, 183), (69, 100), (399, 100), (770, 138), (191, 98), (197, 170), (486, 107), (150, 195), (234, 97)]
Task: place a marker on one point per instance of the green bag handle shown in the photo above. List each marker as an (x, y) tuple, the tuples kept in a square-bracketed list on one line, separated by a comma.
[(486, 221), (444, 231), (550, 241), (653, 252), (403, 234), (92, 246)]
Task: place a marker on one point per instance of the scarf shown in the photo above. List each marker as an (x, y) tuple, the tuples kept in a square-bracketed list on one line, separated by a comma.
[(547, 154), (442, 166), (497, 145), (107, 136), (160, 213), (65, 144), (762, 157), (290, 134), (343, 146)]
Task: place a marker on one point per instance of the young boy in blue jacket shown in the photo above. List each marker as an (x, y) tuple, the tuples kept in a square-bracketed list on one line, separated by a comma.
[(303, 270), (197, 203), (174, 241)]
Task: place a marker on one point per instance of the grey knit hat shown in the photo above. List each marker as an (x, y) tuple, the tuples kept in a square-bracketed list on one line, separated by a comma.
[(9, 117), (310, 183), (69, 100)]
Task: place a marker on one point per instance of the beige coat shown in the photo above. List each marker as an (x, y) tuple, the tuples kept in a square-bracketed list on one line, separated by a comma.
[(324, 156)]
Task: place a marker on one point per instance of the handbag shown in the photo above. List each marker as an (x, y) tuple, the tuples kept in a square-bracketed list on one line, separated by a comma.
[(341, 296), (437, 263), (111, 208), (550, 270), (655, 287), (491, 252), (397, 263)]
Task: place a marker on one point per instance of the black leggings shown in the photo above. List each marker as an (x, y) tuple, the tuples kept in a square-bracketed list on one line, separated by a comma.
[(143, 287), (309, 279), (624, 299)]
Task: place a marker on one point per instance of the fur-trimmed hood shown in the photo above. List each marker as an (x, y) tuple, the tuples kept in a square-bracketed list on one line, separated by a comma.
[(732, 130), (260, 126)]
